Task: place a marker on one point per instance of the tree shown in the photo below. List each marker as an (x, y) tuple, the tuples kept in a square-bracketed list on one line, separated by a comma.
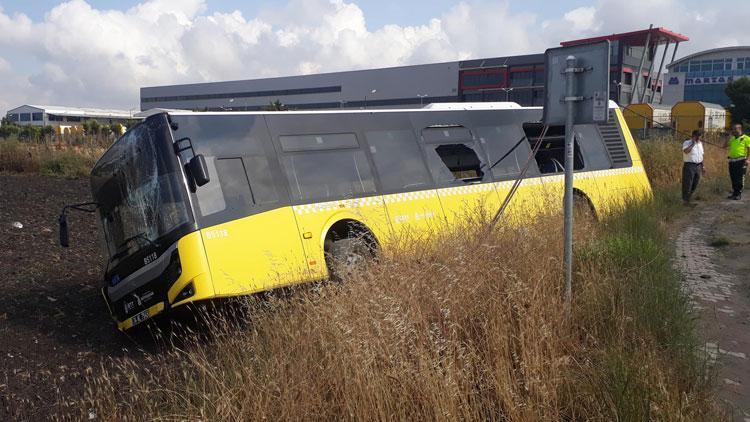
[(30, 133), (91, 127), (8, 128), (276, 105), (47, 131), (738, 92)]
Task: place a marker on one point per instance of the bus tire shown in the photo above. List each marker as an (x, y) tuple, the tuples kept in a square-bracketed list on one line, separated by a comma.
[(346, 256)]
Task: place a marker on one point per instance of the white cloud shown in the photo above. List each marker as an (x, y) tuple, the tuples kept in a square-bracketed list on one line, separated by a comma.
[(80, 55), (582, 18)]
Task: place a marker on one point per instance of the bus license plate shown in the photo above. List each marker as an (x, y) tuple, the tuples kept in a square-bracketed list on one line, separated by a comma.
[(140, 317)]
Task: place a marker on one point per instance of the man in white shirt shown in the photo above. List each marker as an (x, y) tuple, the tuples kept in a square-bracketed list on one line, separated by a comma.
[(692, 167)]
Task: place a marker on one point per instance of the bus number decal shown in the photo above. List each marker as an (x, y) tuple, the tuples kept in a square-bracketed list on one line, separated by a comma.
[(217, 234), (150, 258)]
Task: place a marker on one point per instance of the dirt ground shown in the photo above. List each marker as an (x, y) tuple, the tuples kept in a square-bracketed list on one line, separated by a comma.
[(54, 326), (713, 254)]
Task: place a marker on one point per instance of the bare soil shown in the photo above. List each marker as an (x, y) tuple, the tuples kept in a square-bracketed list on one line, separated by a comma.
[(54, 325)]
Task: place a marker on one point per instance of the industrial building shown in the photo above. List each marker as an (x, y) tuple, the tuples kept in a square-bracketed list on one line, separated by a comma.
[(704, 75), (40, 115), (519, 79)]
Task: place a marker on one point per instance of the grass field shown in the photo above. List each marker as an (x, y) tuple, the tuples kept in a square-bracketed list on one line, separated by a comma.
[(48, 159), (473, 329)]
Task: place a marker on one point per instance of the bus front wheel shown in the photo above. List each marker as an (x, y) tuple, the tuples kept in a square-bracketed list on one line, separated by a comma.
[(348, 248)]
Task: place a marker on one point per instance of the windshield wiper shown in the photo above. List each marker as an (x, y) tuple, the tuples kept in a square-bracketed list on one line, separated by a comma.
[(124, 252)]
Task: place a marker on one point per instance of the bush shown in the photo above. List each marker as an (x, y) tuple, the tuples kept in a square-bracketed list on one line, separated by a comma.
[(17, 157), (66, 163)]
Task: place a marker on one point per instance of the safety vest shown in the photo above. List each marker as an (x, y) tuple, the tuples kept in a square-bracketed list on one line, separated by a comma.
[(738, 146)]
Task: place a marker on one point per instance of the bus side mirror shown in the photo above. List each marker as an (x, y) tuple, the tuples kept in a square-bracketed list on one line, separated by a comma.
[(63, 220), (199, 170)]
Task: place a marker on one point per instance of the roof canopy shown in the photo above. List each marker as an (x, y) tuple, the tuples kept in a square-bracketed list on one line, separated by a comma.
[(658, 35)]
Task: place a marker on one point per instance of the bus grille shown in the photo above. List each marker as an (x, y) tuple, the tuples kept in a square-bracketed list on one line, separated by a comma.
[(614, 142)]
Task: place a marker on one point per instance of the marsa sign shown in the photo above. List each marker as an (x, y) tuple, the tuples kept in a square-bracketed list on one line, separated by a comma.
[(674, 80)]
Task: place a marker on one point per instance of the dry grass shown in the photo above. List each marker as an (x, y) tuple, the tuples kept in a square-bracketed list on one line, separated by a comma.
[(473, 329), (663, 160), (48, 159)]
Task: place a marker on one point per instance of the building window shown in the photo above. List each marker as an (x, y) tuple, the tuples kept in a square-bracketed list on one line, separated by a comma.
[(25, 117), (487, 78), (246, 94), (13, 117), (37, 117), (694, 66), (521, 78), (627, 79), (683, 68), (539, 75)]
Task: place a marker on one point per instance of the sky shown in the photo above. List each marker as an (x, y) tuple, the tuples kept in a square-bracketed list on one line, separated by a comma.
[(91, 53)]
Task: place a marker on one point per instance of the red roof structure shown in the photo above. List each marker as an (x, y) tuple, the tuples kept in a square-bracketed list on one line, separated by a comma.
[(658, 35)]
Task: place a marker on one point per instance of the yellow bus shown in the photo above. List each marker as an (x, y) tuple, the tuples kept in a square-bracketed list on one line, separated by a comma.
[(197, 206)]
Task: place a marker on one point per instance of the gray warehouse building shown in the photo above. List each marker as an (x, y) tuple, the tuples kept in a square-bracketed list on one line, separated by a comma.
[(515, 78), (475, 80)]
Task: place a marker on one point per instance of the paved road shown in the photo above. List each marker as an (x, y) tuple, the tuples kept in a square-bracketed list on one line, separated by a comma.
[(713, 254)]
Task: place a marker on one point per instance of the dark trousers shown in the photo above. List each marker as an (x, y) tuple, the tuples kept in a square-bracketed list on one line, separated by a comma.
[(691, 175), (737, 170)]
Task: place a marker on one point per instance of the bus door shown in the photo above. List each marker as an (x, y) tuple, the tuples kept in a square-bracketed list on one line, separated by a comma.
[(459, 166), (408, 188), (330, 180), (249, 232)]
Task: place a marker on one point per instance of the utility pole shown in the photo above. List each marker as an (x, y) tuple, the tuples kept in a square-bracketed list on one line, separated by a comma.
[(570, 100)]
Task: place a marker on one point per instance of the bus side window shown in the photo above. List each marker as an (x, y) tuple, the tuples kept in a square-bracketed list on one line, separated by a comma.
[(453, 156), (210, 196), (550, 157), (462, 161), (234, 183), (262, 184), (398, 160), (325, 166), (507, 150)]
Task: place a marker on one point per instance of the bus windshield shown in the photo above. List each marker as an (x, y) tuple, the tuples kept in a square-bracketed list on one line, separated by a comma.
[(139, 188)]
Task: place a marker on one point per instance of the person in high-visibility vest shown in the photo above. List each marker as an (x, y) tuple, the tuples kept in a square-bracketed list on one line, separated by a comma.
[(738, 147)]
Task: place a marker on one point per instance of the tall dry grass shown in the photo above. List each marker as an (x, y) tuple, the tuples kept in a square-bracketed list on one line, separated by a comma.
[(48, 159), (472, 329), (662, 159)]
